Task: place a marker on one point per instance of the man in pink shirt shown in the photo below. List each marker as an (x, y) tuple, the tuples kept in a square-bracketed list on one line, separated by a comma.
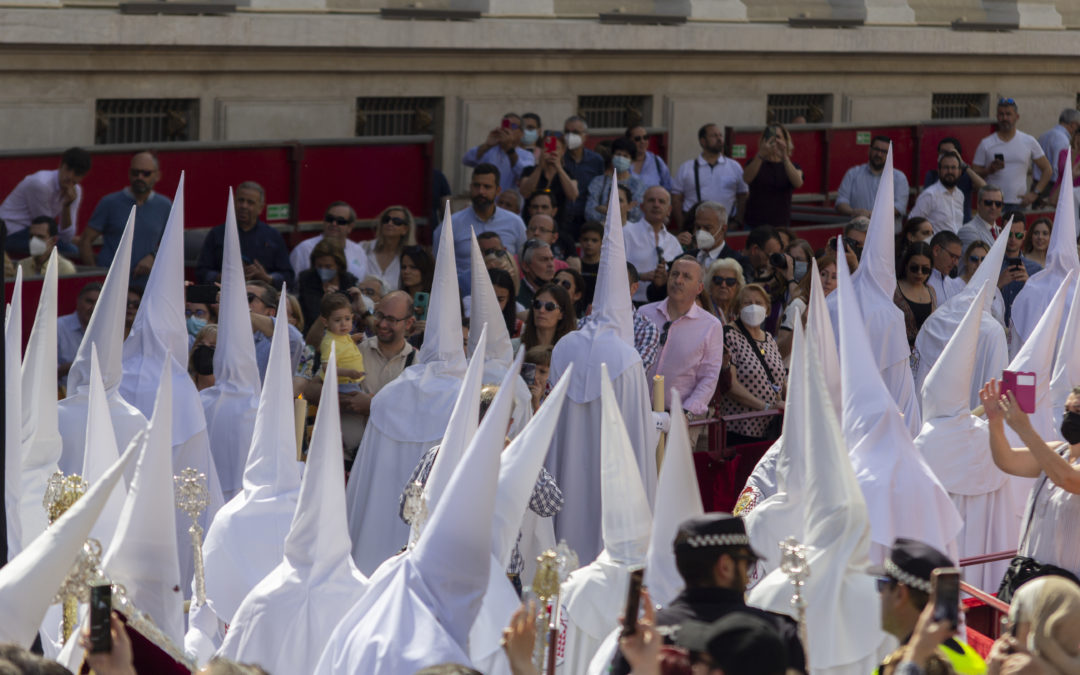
[(691, 342)]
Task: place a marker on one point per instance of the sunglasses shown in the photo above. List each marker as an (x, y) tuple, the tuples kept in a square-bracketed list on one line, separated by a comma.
[(567, 284), (395, 220), (664, 332), (1006, 101), (142, 173), (252, 296), (975, 258), (918, 269), (1018, 235), (993, 202), (549, 305), (882, 583), (379, 316), (852, 244), (639, 138), (333, 220), (725, 281)]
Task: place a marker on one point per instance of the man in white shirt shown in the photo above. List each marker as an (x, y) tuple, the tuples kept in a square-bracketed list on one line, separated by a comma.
[(710, 176), (984, 226), (649, 244), (943, 203), (1003, 158), (1057, 139), (55, 193), (337, 223), (945, 252)]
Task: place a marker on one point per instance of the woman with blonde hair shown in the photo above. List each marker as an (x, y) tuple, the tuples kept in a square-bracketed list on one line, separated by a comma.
[(396, 230), (772, 178), (723, 282)]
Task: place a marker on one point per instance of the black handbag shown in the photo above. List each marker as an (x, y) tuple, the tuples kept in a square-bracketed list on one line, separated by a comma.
[(1022, 568)]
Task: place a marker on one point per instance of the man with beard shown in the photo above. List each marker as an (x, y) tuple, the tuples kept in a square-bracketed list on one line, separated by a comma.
[(482, 216), (1004, 157), (943, 203), (859, 187), (111, 214), (262, 248), (709, 177)]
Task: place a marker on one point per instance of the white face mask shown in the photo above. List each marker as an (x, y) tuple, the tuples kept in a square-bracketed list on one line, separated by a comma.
[(530, 136), (620, 163), (573, 141), (752, 315), (38, 246), (705, 240)]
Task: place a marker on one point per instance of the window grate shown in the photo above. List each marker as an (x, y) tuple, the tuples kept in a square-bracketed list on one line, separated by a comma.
[(786, 108), (396, 116), (146, 120), (615, 112), (959, 106)]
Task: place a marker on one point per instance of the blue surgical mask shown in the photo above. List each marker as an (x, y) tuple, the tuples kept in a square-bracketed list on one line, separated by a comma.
[(530, 136), (801, 267), (194, 325), (327, 275), (620, 163)]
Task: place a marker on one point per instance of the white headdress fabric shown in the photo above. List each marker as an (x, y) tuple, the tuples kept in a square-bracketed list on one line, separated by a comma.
[(231, 403), (13, 419), (485, 310), (443, 340), (101, 454), (1067, 362)]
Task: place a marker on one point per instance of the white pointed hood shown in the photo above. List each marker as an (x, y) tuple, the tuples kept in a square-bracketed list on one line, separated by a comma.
[(143, 556), (611, 321), (992, 347), (1067, 362), (464, 421), (626, 519), (836, 530), (1061, 259), (877, 264), (231, 403), (105, 334), (41, 442), (443, 340), (29, 581), (285, 621), (485, 310), (1037, 356), (246, 539), (678, 499), (903, 496), (105, 331), (101, 454), (13, 418), (822, 338), (945, 393)]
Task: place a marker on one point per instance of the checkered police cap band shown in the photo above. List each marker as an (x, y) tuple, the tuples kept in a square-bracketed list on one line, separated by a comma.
[(704, 540), (907, 578)]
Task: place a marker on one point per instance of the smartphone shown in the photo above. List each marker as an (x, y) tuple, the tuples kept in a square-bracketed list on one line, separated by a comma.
[(769, 133), (1014, 262), (1022, 385), (100, 612), (998, 157), (551, 144), (506, 123), (528, 373), (633, 600), (946, 583), (204, 294), (420, 305)]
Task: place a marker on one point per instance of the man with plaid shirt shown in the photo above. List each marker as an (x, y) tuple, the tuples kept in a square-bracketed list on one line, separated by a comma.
[(546, 500), (646, 334)]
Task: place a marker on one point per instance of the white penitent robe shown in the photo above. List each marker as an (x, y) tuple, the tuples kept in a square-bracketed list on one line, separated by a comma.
[(991, 353), (574, 458)]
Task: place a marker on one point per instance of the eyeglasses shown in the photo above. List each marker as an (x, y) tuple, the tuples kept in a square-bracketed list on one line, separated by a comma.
[(918, 269), (141, 173), (993, 202), (333, 220), (567, 284), (201, 313), (852, 244), (975, 258), (664, 332), (370, 292), (883, 582), (380, 317), (725, 281), (638, 139), (252, 296), (395, 220), (548, 306)]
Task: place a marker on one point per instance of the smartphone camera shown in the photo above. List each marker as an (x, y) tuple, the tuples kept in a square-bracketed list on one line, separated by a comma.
[(946, 582)]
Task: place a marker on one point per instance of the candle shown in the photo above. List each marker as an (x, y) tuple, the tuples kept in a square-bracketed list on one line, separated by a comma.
[(658, 406), (300, 413)]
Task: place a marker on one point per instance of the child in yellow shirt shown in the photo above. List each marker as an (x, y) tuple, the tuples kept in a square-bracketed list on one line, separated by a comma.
[(336, 311)]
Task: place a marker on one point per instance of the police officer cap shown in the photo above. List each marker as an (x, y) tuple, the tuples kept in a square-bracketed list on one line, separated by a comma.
[(912, 563), (712, 530)]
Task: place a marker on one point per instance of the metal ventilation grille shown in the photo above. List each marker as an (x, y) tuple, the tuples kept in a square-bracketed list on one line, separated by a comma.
[(959, 106), (404, 116), (615, 112), (146, 120), (786, 108)]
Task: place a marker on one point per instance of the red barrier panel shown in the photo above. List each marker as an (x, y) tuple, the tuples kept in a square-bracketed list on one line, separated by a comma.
[(67, 292), (808, 154)]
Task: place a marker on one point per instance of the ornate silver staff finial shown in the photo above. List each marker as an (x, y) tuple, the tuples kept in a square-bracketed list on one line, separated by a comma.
[(192, 497), (415, 510), (793, 563), (61, 492)]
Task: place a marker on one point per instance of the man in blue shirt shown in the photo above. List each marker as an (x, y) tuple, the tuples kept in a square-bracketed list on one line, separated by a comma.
[(858, 189), (502, 149), (262, 248), (111, 214), (482, 216), (583, 165)]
